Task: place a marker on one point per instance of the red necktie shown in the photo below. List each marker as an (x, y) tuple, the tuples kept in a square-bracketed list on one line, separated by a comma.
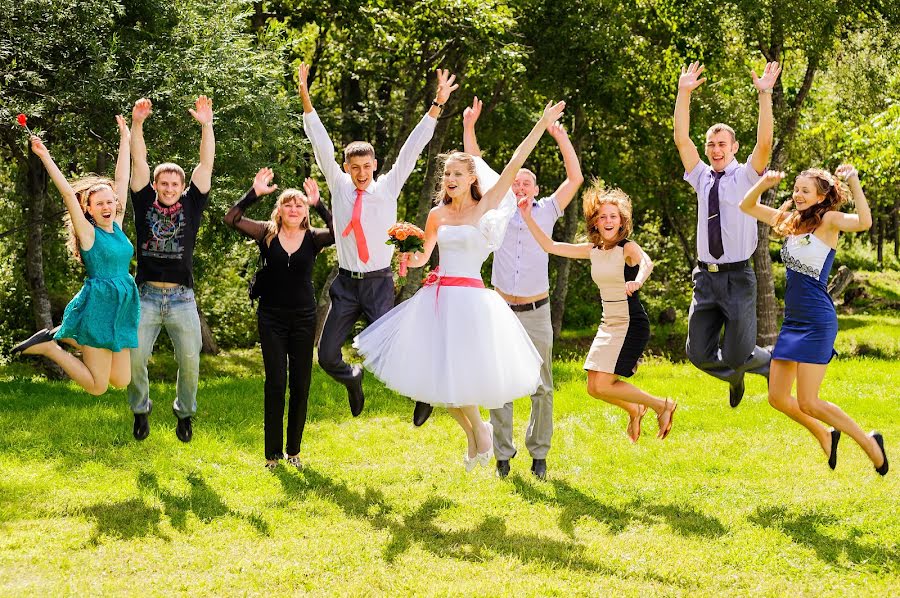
[(355, 225)]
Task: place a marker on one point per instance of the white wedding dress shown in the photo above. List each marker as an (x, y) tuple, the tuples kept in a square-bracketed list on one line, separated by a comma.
[(456, 345)]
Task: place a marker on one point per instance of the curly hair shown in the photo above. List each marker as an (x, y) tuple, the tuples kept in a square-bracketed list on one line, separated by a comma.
[(84, 188), (440, 196), (594, 199), (274, 223), (799, 222)]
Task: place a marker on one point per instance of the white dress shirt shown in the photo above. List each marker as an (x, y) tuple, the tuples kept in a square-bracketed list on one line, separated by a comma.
[(739, 237), (379, 209)]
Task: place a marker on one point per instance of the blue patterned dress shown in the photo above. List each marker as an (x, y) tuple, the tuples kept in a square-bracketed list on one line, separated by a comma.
[(810, 321), (106, 311)]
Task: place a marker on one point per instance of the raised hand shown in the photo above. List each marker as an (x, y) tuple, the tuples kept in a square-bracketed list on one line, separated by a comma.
[(558, 132), (690, 77), (262, 183), (472, 113), (770, 75), (771, 178), (311, 187), (552, 112), (124, 132), (847, 171), (38, 147), (303, 78), (445, 86), (204, 112), (142, 109)]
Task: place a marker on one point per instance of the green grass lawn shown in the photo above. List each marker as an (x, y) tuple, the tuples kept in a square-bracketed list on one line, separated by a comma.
[(734, 502)]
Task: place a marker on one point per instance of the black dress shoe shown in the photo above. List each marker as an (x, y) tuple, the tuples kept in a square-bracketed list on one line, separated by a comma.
[(41, 336), (421, 413), (184, 430), (502, 468), (884, 466), (539, 468), (142, 424), (835, 438), (736, 393), (355, 391)]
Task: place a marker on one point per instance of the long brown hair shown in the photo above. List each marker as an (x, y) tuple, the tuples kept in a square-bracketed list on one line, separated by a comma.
[(799, 222), (440, 196), (84, 188), (594, 199), (274, 223)]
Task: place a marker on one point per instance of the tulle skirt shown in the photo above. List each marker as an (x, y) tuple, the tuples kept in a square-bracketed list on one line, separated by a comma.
[(452, 346)]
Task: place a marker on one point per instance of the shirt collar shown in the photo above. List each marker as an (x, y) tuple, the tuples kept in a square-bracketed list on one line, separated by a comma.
[(731, 166)]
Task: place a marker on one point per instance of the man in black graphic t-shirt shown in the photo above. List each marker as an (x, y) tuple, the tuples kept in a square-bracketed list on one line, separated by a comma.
[(167, 218)]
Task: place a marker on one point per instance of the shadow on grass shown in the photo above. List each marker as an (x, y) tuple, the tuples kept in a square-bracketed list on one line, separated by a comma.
[(488, 538), (134, 518), (803, 529), (575, 504)]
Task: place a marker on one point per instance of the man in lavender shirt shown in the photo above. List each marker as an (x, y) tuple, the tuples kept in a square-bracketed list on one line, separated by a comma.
[(724, 281), (520, 276)]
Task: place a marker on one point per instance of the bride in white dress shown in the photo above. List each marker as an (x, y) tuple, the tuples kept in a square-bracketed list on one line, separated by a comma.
[(455, 343)]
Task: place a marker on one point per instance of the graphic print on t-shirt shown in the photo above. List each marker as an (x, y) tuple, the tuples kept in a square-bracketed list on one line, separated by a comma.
[(166, 225)]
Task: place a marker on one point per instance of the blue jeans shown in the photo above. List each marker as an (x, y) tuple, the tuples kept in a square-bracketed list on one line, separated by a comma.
[(175, 309)]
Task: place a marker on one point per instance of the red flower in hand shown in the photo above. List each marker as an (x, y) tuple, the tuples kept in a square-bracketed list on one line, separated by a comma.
[(22, 120)]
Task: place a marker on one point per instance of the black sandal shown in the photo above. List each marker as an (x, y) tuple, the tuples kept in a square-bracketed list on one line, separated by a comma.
[(41, 336)]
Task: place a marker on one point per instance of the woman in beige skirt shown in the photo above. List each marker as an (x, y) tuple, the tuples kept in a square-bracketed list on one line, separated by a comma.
[(619, 267)]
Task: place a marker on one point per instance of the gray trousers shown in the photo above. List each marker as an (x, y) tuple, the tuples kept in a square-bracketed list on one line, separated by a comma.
[(725, 299), (540, 425)]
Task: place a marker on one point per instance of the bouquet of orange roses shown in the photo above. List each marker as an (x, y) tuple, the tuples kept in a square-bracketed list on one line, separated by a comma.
[(407, 238)]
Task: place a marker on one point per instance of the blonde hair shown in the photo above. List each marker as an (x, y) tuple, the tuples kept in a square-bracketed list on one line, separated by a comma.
[(718, 128), (594, 199), (84, 188), (168, 167), (440, 196), (800, 222), (274, 223)]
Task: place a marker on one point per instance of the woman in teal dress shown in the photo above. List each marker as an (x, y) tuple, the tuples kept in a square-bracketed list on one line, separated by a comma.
[(101, 320)]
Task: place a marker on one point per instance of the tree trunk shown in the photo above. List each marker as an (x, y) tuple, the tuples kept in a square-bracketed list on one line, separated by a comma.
[(566, 233), (766, 307), (324, 304), (209, 346), (32, 188), (879, 224), (351, 106), (839, 282)]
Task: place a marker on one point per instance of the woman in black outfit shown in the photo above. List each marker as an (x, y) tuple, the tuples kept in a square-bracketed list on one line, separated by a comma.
[(287, 302)]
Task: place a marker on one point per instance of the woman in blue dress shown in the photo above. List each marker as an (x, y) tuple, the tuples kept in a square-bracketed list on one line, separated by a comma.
[(805, 344), (101, 320)]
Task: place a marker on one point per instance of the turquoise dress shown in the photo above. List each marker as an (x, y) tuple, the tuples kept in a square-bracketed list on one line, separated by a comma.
[(106, 311)]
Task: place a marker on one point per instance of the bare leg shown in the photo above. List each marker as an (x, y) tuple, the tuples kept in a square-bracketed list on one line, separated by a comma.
[(482, 433), (92, 374), (781, 379), (120, 372), (71, 342), (809, 380), (609, 388), (466, 425)]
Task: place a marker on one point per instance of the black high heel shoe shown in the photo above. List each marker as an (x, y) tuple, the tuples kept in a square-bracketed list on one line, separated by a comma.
[(835, 438), (880, 440)]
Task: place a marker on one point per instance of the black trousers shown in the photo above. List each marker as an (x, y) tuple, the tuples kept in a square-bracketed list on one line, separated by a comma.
[(725, 299), (350, 299), (286, 337)]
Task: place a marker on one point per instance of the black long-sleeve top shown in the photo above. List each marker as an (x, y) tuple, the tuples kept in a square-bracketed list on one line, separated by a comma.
[(285, 279)]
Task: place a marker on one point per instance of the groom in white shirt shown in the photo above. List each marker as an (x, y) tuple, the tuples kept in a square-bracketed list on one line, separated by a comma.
[(520, 276), (363, 209)]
